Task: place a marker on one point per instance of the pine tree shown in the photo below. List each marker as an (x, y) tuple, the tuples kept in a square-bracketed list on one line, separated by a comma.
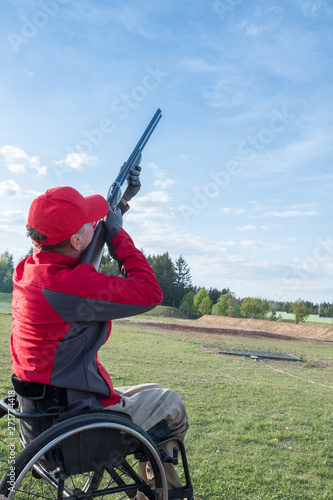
[(164, 270), (183, 280)]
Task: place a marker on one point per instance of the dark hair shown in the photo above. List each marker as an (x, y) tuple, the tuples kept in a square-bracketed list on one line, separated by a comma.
[(37, 241)]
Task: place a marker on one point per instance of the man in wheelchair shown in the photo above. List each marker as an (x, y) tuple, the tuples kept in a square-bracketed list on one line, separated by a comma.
[(62, 312)]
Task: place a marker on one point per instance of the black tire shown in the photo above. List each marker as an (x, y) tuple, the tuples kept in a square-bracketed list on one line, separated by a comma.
[(94, 452)]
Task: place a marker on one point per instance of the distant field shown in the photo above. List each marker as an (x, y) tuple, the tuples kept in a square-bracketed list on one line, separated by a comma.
[(308, 323), (5, 308), (5, 302), (6, 297), (259, 430)]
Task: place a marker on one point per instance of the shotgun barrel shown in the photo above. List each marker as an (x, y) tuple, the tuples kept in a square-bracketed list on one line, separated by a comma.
[(93, 253)]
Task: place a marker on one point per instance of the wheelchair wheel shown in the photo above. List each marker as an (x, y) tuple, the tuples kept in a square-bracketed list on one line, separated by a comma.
[(89, 456)]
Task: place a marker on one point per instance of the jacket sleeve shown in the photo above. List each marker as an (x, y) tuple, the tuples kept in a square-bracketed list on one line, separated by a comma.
[(83, 294)]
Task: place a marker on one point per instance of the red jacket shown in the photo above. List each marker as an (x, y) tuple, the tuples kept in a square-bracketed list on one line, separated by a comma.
[(62, 314)]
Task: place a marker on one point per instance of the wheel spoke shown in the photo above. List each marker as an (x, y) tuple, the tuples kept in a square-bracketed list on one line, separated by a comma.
[(88, 467)]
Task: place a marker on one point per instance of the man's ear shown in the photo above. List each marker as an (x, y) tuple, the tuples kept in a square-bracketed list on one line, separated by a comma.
[(75, 241)]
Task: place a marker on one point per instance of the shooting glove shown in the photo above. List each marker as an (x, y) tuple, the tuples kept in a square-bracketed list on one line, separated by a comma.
[(113, 222), (134, 182)]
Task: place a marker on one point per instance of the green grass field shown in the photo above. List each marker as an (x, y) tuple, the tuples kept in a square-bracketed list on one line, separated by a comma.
[(259, 430)]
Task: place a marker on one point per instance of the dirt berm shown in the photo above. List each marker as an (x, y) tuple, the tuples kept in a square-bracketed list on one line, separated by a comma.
[(291, 330)]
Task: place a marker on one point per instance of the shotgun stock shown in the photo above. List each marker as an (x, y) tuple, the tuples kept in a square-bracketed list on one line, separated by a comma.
[(93, 253)]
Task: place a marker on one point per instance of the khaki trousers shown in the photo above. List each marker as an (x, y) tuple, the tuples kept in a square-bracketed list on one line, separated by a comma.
[(149, 404)]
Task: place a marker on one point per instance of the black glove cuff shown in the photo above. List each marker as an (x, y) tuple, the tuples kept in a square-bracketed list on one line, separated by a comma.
[(111, 234), (121, 267), (123, 208)]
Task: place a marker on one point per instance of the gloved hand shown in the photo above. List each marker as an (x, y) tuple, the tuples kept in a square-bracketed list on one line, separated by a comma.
[(134, 182), (112, 222)]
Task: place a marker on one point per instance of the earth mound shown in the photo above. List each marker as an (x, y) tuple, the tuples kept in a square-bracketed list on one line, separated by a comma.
[(291, 330)]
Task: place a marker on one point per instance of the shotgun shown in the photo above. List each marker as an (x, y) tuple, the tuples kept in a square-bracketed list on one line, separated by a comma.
[(93, 253)]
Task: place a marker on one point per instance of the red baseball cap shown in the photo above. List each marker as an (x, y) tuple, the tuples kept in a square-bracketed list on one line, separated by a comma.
[(60, 212)]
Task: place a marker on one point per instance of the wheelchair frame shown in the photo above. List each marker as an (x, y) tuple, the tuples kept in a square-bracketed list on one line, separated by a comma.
[(93, 454)]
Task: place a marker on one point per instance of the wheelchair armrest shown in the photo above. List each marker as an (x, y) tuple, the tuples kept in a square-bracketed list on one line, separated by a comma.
[(8, 405), (74, 413)]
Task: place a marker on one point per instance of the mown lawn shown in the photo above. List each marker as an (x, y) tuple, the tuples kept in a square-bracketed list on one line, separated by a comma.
[(259, 430)]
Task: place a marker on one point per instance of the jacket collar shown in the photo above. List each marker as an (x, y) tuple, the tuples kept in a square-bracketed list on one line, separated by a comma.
[(42, 257)]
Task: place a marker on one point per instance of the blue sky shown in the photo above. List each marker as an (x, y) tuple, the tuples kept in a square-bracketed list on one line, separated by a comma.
[(237, 176)]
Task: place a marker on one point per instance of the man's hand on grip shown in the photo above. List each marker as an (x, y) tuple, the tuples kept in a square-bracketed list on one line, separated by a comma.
[(113, 222), (134, 183)]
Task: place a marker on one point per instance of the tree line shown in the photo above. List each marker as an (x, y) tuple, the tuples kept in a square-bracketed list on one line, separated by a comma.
[(175, 281)]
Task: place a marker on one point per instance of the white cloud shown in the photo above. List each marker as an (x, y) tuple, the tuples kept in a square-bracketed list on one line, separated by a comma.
[(292, 155), (199, 65), (155, 204), (133, 19), (153, 197), (17, 161), (315, 8), (251, 29), (232, 211), (77, 161), (270, 18), (164, 184), (258, 206), (10, 189), (249, 227), (289, 213), (271, 226), (34, 163), (225, 93), (272, 10), (249, 243), (301, 205), (161, 234), (254, 244), (158, 172), (13, 217)]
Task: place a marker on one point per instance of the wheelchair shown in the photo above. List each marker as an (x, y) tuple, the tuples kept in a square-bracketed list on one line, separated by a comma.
[(86, 455)]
